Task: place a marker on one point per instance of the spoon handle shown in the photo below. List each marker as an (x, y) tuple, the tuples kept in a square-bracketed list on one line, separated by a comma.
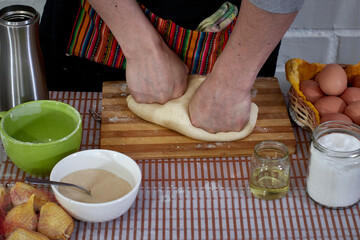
[(48, 182)]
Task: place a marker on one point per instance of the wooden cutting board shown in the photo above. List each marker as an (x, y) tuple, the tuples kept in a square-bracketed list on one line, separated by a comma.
[(123, 131)]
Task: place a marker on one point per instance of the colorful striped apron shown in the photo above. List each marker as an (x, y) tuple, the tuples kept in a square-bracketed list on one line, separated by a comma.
[(92, 39)]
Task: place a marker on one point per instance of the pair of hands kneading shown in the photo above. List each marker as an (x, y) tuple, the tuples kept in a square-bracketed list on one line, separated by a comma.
[(174, 115), (154, 72), (162, 92)]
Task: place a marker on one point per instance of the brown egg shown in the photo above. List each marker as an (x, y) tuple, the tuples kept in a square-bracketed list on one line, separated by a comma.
[(334, 116), (351, 94), (332, 79), (330, 104), (356, 81), (311, 90), (353, 111)]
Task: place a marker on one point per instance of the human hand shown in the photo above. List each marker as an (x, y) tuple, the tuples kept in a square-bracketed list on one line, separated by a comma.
[(156, 76), (154, 73), (219, 107)]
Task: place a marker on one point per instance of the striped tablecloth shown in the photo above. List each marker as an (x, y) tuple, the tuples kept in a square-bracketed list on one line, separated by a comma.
[(206, 198)]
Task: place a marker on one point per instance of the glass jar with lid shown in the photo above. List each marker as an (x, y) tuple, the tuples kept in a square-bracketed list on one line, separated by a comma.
[(333, 175)]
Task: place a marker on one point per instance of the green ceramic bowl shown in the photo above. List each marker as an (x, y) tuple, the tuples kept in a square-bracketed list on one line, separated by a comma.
[(38, 134)]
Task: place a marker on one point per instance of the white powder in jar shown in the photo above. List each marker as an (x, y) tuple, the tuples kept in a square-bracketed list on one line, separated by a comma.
[(334, 181)]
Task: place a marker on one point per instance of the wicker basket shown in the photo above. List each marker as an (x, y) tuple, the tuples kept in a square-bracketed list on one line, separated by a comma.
[(297, 70)]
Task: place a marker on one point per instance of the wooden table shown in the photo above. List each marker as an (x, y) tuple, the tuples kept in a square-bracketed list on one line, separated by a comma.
[(206, 198)]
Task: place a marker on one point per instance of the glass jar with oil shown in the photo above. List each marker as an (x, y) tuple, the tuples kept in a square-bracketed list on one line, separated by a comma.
[(270, 170)]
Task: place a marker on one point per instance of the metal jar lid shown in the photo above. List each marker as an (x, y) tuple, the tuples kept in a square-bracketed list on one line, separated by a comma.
[(18, 15)]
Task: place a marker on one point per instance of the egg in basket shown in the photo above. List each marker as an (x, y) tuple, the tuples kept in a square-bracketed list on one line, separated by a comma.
[(323, 92)]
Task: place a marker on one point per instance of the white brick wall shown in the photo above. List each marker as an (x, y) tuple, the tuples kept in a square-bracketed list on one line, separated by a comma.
[(325, 31)]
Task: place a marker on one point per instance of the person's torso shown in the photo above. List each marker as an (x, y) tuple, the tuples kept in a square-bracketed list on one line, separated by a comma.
[(186, 13)]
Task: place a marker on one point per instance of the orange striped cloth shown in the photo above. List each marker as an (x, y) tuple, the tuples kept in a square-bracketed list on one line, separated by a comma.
[(92, 39)]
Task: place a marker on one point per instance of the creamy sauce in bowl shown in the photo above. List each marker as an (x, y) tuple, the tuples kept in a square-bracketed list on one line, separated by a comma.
[(104, 186)]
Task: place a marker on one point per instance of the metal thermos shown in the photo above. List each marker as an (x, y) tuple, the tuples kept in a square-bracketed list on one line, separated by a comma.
[(22, 72)]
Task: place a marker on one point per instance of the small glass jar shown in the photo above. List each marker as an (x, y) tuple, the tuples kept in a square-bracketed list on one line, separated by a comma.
[(333, 176), (270, 170)]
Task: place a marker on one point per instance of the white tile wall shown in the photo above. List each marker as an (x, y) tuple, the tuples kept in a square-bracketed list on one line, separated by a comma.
[(324, 31)]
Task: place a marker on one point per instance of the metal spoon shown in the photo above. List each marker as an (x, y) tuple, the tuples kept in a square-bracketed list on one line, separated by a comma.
[(48, 182)]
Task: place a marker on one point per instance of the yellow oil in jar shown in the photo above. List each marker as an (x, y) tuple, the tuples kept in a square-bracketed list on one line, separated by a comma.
[(269, 183)]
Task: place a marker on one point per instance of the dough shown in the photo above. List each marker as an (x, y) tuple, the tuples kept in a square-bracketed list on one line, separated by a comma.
[(174, 115)]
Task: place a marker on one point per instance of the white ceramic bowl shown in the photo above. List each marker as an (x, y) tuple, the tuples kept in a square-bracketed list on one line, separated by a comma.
[(115, 162)]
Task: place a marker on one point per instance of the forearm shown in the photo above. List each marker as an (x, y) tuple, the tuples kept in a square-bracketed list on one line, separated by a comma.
[(154, 73), (129, 25), (222, 102), (255, 35)]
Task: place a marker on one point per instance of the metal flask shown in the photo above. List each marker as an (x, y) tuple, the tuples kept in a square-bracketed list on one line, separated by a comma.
[(22, 74)]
